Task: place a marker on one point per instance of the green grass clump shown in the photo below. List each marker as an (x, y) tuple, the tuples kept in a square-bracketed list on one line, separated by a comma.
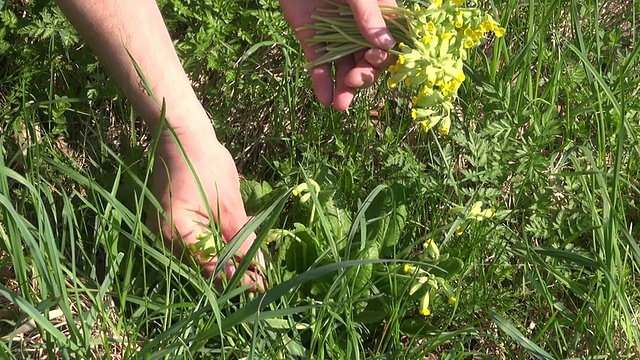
[(545, 134)]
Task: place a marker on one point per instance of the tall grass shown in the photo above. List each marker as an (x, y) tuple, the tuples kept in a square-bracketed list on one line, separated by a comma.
[(546, 135)]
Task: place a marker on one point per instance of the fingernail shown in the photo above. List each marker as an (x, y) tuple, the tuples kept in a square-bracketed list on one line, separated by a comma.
[(387, 41), (378, 54)]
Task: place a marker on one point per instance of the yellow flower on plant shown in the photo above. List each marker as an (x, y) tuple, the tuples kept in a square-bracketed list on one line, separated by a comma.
[(487, 25), (468, 43), (437, 3), (429, 123), (459, 2), (445, 124), (452, 300), (426, 39), (424, 305), (479, 212), (499, 31), (446, 36), (430, 26), (206, 246), (302, 190), (468, 32), (425, 125)]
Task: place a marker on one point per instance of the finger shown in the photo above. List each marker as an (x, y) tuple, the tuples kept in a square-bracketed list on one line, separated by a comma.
[(252, 278), (371, 23), (343, 93), (322, 84), (362, 75), (379, 59), (298, 14), (321, 74)]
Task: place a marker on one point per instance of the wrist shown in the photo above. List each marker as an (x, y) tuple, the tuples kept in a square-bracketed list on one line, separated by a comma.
[(182, 112), (194, 136)]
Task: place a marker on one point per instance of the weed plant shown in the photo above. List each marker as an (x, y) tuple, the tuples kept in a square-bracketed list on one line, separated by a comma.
[(544, 132)]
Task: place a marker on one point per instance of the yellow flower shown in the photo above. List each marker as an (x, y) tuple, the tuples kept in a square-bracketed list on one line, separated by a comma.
[(452, 300), (402, 59), (446, 36), (445, 124), (437, 3), (459, 2), (430, 26), (468, 43), (429, 123), (426, 39), (487, 25), (424, 305), (406, 268), (431, 249), (477, 212), (499, 31), (458, 23), (391, 83), (425, 125), (302, 190)]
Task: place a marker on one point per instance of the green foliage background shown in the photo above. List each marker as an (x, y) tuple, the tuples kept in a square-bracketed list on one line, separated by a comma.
[(546, 134)]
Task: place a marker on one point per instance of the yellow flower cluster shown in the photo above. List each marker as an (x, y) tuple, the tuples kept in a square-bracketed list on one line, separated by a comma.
[(431, 58), (477, 212), (426, 283), (206, 247)]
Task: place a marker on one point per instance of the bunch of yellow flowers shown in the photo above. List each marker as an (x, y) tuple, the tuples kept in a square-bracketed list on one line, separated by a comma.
[(432, 47)]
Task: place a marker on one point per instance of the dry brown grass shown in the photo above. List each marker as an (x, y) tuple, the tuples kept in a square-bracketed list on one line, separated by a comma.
[(26, 340)]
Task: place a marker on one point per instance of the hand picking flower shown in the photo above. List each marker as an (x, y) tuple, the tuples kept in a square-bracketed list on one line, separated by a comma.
[(433, 43)]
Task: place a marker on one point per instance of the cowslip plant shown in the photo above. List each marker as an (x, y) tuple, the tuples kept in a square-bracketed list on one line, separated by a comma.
[(432, 46), (428, 285), (206, 247), (477, 212)]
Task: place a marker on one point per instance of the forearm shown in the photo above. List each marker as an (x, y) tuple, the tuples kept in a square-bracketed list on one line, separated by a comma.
[(113, 27)]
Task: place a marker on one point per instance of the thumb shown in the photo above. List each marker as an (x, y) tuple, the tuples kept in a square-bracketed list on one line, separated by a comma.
[(371, 23)]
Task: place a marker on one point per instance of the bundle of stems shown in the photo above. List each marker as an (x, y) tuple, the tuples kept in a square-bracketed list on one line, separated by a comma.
[(339, 35)]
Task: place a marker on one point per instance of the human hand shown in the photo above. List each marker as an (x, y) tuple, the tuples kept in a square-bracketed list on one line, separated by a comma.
[(351, 72), (178, 194)]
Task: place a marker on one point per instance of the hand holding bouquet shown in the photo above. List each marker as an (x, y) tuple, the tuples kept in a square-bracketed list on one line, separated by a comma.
[(432, 45)]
